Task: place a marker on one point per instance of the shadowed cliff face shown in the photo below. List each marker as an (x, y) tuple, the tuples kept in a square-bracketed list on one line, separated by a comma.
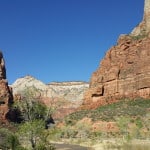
[(125, 69), (2, 67), (5, 91)]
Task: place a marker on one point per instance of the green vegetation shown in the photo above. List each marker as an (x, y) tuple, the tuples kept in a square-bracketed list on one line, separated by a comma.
[(30, 106), (31, 132), (125, 107), (140, 36), (8, 140), (131, 117)]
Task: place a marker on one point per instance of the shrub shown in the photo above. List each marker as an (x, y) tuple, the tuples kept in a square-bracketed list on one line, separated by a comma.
[(8, 140)]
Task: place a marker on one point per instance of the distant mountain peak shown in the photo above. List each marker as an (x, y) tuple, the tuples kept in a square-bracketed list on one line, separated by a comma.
[(68, 90)]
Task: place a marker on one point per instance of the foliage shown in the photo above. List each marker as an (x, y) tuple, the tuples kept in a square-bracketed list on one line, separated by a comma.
[(30, 106), (34, 133), (9, 140), (125, 107), (139, 37), (123, 124), (132, 118), (83, 129), (35, 115), (68, 132), (42, 146)]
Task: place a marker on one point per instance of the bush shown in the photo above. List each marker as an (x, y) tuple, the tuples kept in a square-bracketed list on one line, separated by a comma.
[(9, 140), (124, 107)]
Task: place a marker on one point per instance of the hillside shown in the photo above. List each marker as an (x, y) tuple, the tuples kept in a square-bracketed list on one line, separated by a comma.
[(136, 108), (117, 102)]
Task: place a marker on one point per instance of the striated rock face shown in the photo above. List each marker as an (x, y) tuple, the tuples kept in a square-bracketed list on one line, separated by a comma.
[(28, 81), (5, 91), (125, 69), (70, 91), (66, 96)]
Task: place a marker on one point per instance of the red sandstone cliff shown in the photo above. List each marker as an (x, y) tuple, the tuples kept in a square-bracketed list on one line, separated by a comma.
[(5, 92), (125, 69)]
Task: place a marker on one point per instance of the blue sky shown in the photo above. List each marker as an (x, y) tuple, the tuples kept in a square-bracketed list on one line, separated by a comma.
[(62, 40)]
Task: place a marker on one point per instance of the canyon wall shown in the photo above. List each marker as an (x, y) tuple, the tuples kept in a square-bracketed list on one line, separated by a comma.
[(125, 69), (5, 92)]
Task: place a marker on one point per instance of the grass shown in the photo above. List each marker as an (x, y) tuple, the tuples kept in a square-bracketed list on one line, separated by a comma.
[(126, 146), (126, 107), (142, 35), (131, 116)]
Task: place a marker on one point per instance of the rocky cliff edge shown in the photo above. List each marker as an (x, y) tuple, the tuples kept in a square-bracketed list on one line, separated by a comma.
[(124, 72), (6, 98)]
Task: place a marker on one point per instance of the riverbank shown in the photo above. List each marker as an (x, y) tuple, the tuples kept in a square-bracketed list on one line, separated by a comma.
[(71, 147), (105, 144)]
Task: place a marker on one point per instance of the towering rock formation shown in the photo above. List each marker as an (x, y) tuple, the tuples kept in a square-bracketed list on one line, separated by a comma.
[(125, 69), (5, 92), (147, 14), (144, 26)]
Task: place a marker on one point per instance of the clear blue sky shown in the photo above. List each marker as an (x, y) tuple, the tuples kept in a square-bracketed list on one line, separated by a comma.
[(62, 40)]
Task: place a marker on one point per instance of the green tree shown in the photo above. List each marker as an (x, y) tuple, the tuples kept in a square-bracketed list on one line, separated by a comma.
[(30, 106), (9, 140), (35, 115), (33, 133)]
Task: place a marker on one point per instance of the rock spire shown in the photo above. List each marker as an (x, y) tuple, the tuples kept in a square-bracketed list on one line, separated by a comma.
[(144, 26), (147, 14), (5, 91)]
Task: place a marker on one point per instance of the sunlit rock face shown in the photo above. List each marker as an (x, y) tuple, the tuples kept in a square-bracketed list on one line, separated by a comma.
[(5, 91), (147, 14), (144, 26), (21, 84), (66, 97), (125, 69), (70, 91)]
